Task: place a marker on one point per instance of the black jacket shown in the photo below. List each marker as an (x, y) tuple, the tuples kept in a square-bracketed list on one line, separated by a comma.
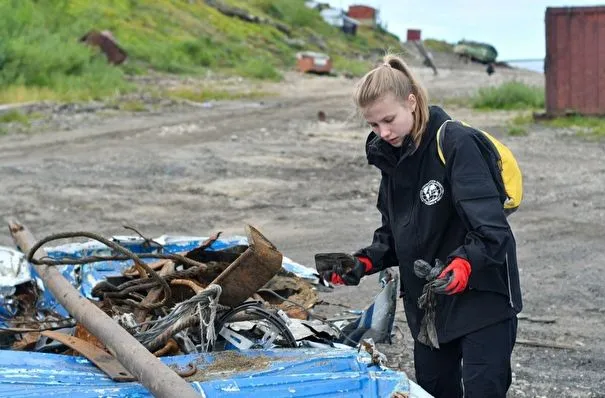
[(434, 211)]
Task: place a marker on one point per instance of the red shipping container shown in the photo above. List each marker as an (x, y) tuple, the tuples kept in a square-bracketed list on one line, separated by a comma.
[(414, 35), (575, 62)]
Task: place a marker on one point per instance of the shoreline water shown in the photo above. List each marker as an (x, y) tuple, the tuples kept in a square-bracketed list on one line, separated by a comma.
[(535, 66)]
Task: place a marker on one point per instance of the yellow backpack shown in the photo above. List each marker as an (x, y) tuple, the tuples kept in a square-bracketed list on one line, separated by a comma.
[(507, 164)]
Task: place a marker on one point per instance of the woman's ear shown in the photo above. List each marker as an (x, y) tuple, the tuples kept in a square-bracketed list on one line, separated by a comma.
[(412, 102)]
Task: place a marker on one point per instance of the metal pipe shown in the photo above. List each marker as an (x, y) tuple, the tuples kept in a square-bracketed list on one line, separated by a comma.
[(158, 378)]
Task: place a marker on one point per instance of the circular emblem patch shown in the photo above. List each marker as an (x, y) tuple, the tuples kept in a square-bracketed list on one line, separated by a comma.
[(431, 192)]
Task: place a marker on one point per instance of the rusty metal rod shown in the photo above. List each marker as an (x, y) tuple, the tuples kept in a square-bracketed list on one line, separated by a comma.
[(140, 314), (158, 378), (181, 324)]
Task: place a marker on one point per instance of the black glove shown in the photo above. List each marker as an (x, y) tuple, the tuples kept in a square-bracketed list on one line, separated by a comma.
[(424, 270), (341, 268), (427, 302)]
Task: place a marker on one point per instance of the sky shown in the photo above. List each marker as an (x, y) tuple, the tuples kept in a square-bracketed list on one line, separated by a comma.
[(515, 27)]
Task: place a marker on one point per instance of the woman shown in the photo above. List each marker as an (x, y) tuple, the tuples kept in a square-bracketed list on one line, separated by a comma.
[(452, 213)]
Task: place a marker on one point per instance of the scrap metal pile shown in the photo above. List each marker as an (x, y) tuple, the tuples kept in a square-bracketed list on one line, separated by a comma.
[(174, 296)]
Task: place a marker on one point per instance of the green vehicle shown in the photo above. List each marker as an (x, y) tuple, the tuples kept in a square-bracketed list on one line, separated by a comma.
[(475, 51)]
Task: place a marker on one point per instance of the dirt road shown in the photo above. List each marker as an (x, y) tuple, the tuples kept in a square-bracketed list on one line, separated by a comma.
[(199, 169)]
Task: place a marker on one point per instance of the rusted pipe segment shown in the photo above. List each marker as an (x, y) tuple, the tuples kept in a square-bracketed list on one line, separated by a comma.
[(156, 265), (179, 325), (96, 259), (189, 283), (170, 346), (159, 379)]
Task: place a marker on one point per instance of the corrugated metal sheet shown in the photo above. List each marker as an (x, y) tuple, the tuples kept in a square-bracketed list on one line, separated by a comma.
[(575, 60), (278, 373)]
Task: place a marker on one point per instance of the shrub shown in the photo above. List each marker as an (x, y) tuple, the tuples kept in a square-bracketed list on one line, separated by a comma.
[(510, 95)]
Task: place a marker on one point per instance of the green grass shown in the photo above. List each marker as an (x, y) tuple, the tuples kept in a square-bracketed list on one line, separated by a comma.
[(132, 106), (292, 12), (203, 95), (518, 125), (259, 69), (522, 119), (14, 117), (351, 66), (508, 96), (517, 131), (438, 45), (41, 57), (590, 127), (583, 126)]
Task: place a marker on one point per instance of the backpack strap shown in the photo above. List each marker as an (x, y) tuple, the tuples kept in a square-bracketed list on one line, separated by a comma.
[(439, 141)]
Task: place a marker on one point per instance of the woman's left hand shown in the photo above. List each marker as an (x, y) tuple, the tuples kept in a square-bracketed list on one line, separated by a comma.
[(458, 271)]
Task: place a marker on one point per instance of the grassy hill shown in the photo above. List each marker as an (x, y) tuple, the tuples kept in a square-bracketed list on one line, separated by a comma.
[(41, 56)]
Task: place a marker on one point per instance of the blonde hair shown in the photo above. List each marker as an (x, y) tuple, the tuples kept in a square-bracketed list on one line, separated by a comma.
[(394, 76)]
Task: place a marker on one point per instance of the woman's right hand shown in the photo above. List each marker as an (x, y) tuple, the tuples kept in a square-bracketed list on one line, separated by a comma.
[(347, 273)]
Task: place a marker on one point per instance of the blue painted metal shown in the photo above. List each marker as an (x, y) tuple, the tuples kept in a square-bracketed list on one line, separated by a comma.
[(288, 372)]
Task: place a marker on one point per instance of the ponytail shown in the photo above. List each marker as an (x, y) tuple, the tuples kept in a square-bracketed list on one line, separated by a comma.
[(394, 76)]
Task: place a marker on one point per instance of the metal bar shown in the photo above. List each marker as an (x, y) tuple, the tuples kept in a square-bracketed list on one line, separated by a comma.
[(104, 361), (158, 378)]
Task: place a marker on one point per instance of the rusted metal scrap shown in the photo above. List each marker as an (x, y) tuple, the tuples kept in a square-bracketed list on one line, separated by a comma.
[(107, 43), (240, 272), (82, 333), (101, 358), (170, 348), (148, 369), (206, 299), (292, 294), (173, 305), (250, 271), (27, 341), (140, 314)]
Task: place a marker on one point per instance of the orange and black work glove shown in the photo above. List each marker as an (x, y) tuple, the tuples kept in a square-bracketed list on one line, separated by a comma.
[(342, 268), (456, 274)]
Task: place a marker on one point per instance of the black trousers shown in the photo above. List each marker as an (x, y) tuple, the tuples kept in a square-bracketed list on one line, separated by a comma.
[(476, 365)]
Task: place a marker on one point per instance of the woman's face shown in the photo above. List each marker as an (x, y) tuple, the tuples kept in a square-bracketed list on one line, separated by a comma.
[(390, 118)]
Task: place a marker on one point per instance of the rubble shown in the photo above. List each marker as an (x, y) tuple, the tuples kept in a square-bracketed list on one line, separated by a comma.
[(176, 296), (161, 295)]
